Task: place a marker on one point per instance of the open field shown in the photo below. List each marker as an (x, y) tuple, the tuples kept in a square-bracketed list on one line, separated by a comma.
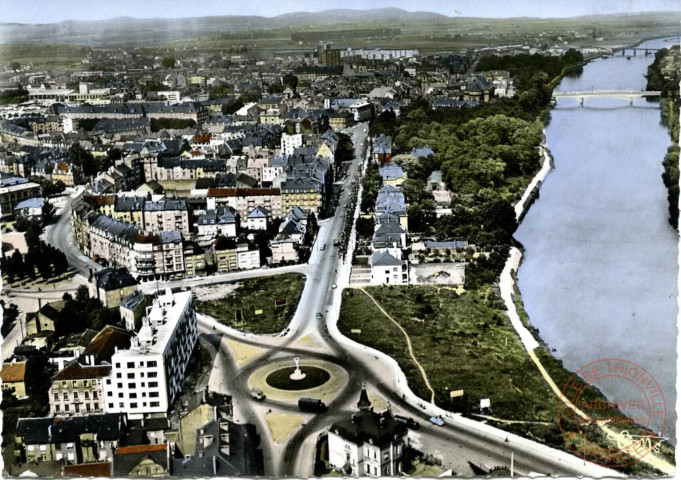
[(465, 342), (254, 301), (45, 56)]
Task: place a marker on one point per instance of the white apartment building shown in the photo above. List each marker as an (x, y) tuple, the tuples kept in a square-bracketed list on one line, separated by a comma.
[(290, 142), (147, 378)]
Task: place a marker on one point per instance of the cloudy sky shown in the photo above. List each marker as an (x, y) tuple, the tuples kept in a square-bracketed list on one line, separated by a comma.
[(47, 11)]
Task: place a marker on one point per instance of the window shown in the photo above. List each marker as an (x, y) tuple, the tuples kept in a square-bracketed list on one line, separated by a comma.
[(152, 375), (30, 448), (56, 408), (108, 381), (87, 395), (56, 396), (131, 375), (75, 396), (66, 407), (109, 394), (153, 384), (151, 363), (43, 448), (120, 394), (87, 407), (133, 405), (111, 405), (154, 404), (119, 375), (119, 385), (133, 395), (141, 374), (75, 384), (96, 406), (121, 405), (66, 396), (131, 365), (153, 394), (347, 456), (77, 407), (95, 395), (131, 385)]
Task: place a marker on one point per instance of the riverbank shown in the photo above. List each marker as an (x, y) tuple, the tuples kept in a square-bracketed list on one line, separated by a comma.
[(588, 235)]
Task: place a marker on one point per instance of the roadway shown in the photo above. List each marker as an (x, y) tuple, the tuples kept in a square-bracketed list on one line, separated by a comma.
[(60, 235)]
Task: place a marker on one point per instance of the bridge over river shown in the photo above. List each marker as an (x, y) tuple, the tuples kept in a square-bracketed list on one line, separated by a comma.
[(626, 94)]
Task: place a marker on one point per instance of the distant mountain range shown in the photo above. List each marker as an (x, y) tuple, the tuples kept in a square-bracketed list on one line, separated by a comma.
[(128, 30)]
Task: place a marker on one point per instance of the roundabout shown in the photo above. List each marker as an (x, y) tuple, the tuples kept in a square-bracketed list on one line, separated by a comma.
[(313, 377), (319, 379)]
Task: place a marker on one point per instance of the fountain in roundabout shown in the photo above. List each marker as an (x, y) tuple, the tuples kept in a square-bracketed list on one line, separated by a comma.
[(297, 374)]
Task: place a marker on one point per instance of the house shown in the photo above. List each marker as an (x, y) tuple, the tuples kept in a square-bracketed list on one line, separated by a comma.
[(341, 120), (13, 190), (195, 258), (248, 256), (390, 199), (105, 344), (392, 174), (284, 250), (132, 310), (386, 268), (32, 209), (382, 149), (13, 375), (111, 285), (258, 219), (77, 390), (368, 444), (141, 461), (478, 90), (72, 440), (45, 319), (226, 258), (220, 221)]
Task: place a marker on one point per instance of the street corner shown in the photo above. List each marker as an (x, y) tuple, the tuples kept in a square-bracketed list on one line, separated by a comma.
[(323, 380)]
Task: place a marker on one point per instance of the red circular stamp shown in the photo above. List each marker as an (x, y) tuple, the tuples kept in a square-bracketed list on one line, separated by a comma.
[(592, 425)]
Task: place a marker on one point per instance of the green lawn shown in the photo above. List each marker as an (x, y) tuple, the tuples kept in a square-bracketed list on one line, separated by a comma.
[(258, 294)]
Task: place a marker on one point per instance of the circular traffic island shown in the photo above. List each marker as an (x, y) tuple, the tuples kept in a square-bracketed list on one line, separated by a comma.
[(322, 379), (313, 377)]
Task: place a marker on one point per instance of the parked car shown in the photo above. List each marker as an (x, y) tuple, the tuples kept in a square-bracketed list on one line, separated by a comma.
[(318, 316), (437, 420), (408, 421), (307, 404), (257, 394), (334, 286)]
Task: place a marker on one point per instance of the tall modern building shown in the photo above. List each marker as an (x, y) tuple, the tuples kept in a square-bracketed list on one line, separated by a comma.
[(146, 378)]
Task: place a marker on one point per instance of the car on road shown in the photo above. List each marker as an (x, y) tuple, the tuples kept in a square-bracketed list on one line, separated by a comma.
[(334, 286), (408, 421), (323, 246), (257, 394), (318, 316), (437, 420)]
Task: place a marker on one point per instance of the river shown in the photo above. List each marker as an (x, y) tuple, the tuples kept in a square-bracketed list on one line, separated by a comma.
[(599, 276)]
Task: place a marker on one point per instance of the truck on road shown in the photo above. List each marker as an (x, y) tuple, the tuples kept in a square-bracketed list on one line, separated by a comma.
[(307, 404)]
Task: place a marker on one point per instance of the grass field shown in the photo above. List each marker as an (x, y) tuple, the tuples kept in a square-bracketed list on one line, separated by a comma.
[(466, 342), (258, 295), (49, 56)]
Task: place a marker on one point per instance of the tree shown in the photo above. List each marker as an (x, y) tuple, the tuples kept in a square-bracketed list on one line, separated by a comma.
[(82, 294), (61, 264), (290, 81), (84, 159), (168, 62), (10, 314), (17, 264), (15, 66), (32, 236)]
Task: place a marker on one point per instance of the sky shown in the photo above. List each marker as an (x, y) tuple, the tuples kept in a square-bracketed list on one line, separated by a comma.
[(49, 11)]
